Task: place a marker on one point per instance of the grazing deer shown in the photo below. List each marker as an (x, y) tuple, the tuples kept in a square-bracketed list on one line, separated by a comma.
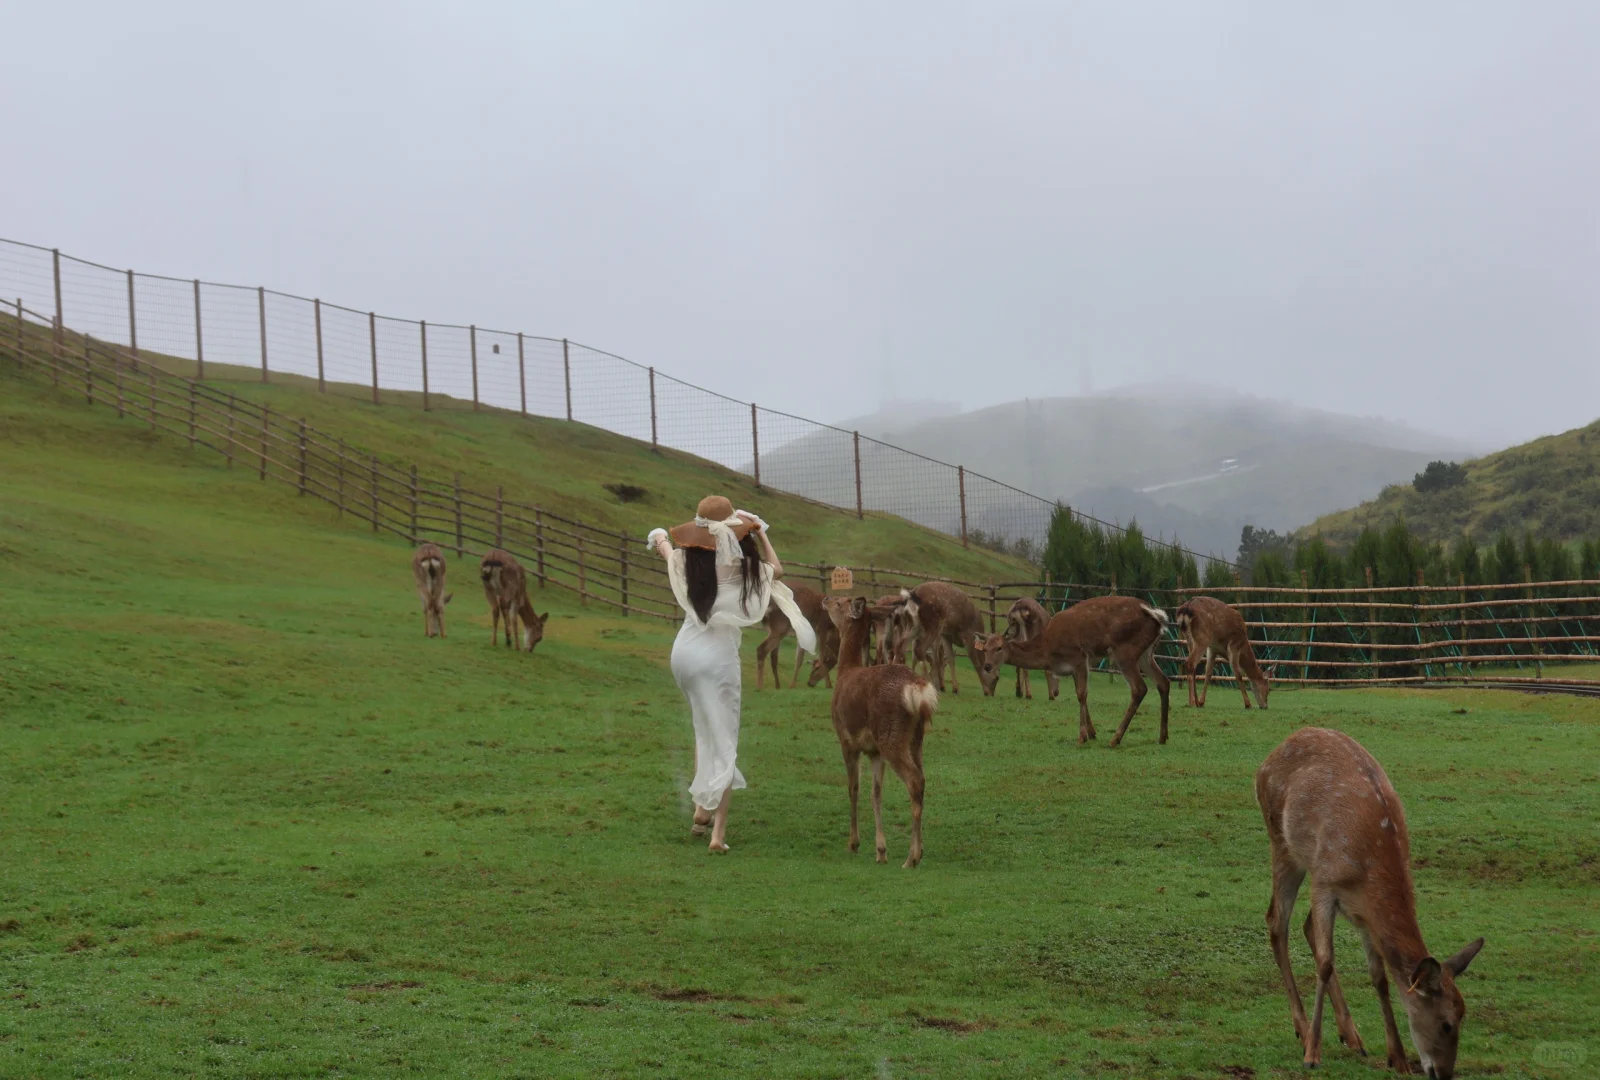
[(944, 617), (1210, 626), (1120, 627), (809, 601), (882, 711), (1331, 812), (505, 585), (427, 567), (1027, 618)]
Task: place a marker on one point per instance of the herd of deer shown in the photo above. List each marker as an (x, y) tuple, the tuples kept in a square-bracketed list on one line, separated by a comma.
[(1329, 808)]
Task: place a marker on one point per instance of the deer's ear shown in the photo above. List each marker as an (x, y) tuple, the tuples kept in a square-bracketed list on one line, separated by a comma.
[(858, 606), (1427, 977), (1458, 963)]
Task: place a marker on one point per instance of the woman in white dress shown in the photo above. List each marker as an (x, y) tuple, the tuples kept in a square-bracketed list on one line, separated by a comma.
[(723, 572)]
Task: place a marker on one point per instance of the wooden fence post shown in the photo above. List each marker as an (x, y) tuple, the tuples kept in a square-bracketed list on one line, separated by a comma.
[(266, 420), (755, 443), (199, 338), (622, 570), (522, 375), (856, 441), (424, 365), (19, 329), (55, 368), (566, 373), (372, 336), (261, 305), (1528, 627), (316, 313), (133, 324), (472, 346), (302, 484), (460, 551), (88, 372), (193, 410), (538, 541), (1305, 631), (1372, 631), (1461, 621), (499, 516), (338, 471), (993, 614), (374, 492), (961, 488), (655, 444), (416, 535)]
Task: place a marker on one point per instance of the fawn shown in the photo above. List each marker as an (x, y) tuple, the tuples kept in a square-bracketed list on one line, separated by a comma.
[(427, 567), (505, 586), (1026, 618), (1120, 627), (883, 711), (1211, 627), (1330, 811), (944, 617), (809, 601)]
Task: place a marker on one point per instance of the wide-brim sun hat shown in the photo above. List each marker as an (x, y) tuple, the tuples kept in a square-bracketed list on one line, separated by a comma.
[(711, 508)]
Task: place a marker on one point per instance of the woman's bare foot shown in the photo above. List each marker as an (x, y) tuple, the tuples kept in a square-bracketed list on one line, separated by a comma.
[(716, 848), (719, 823), (702, 821)]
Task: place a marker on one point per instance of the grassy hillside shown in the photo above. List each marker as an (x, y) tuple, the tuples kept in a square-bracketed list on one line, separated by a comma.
[(257, 825), (1550, 486), (558, 465)]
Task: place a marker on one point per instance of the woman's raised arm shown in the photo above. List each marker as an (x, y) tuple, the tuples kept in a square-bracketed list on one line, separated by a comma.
[(659, 541), (768, 555)]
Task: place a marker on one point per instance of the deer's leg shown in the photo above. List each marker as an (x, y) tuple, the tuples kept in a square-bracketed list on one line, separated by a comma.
[(1380, 982), (1211, 660), (777, 683), (1238, 675), (1052, 682), (1341, 1012), (1136, 693), (1286, 881), (877, 806), (1319, 932), (799, 655), (911, 773), (1080, 679), (852, 773), (1191, 662), (494, 622), (1147, 660)]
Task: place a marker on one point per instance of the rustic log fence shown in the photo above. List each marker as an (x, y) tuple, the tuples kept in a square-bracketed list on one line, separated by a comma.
[(1304, 636)]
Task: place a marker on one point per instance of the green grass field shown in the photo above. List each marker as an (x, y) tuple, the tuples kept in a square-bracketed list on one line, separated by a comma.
[(256, 825)]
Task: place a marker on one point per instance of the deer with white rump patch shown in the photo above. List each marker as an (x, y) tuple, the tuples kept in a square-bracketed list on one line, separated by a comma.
[(1331, 812), (883, 711), (1211, 626), (1122, 628), (427, 568)]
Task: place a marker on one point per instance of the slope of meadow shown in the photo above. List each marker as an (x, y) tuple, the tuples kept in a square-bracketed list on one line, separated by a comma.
[(257, 825)]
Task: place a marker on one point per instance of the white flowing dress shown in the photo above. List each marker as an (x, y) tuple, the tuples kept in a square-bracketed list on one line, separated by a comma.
[(705, 664)]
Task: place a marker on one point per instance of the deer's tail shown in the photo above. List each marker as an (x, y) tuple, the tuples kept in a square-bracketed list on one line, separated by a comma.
[(1158, 615), (921, 701), (1184, 617)]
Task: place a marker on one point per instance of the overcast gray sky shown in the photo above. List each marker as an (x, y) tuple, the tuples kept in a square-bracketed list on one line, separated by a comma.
[(1385, 209)]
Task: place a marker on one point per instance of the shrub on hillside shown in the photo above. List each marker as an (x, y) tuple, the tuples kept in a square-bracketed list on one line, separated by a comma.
[(1438, 476)]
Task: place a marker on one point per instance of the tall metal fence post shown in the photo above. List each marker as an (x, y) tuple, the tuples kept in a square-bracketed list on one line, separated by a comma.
[(424, 365), (961, 487), (472, 344), (522, 375), (133, 324), (199, 342), (654, 442), (372, 336), (55, 368), (566, 373), (856, 440), (755, 444), (261, 305), (316, 313)]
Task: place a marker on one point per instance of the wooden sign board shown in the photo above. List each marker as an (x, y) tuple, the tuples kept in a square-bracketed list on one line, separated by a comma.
[(842, 580)]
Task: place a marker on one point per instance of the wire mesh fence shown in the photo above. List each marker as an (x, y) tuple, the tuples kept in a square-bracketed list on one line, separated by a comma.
[(250, 332)]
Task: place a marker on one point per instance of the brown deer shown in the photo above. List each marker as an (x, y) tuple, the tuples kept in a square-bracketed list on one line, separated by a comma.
[(1027, 618), (809, 601), (889, 629), (505, 586), (1331, 812), (427, 567), (1122, 628), (1211, 626), (944, 617), (883, 711)]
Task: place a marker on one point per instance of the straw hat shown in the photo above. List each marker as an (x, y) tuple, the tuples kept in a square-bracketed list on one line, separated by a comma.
[(711, 508)]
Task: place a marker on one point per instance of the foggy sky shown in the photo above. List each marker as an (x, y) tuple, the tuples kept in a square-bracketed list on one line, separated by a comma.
[(1374, 208)]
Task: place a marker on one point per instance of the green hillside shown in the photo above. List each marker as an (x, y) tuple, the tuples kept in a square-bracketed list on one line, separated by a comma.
[(256, 825), (1550, 486)]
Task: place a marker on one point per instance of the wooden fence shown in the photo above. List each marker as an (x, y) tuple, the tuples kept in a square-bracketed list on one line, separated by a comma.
[(1420, 634)]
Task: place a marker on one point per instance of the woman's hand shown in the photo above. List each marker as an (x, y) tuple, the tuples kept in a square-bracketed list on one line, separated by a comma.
[(657, 541)]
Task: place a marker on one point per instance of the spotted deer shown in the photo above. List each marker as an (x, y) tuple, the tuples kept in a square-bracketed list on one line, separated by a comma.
[(889, 629), (943, 617), (809, 601), (1122, 628), (1210, 627), (428, 568), (1026, 618), (883, 711), (1330, 811), (505, 586)]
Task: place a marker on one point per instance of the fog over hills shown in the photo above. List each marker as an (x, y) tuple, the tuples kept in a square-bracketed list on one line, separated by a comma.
[(1192, 461)]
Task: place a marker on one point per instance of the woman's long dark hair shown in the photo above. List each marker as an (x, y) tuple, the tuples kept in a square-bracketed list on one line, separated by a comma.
[(700, 574)]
